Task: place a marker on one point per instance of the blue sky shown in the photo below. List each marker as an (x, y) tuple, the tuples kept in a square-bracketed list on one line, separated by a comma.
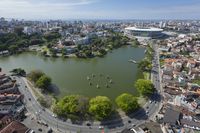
[(100, 9)]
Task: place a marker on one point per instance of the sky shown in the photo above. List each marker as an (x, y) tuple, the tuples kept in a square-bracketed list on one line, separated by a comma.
[(100, 9)]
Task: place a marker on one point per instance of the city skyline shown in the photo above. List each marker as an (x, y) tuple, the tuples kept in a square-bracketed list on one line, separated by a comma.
[(99, 9)]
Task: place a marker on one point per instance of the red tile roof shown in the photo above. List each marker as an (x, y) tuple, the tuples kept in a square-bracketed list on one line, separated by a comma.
[(15, 127)]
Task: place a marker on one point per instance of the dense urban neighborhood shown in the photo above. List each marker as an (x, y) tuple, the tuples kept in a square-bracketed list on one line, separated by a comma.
[(168, 88)]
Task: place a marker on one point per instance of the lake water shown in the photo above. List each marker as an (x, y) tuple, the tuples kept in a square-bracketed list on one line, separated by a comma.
[(70, 75)]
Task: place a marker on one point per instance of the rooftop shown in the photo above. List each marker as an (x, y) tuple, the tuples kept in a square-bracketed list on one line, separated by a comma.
[(171, 116), (15, 127), (144, 29)]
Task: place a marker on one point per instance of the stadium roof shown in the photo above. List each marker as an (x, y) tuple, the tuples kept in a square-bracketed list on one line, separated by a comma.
[(149, 29)]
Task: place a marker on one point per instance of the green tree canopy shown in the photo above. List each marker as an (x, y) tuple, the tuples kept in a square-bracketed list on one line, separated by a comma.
[(102, 51), (35, 75), (43, 82), (145, 65), (144, 87), (72, 104), (101, 107), (18, 71), (19, 30), (52, 36), (13, 48), (127, 102)]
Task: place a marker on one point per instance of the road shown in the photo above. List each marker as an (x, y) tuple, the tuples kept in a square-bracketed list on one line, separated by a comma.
[(156, 74), (113, 126)]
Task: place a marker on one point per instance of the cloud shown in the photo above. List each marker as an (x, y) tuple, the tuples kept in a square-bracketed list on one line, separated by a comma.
[(40, 8), (167, 12), (90, 9)]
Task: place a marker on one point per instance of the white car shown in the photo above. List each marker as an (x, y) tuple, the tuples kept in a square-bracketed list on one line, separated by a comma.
[(101, 127), (54, 115)]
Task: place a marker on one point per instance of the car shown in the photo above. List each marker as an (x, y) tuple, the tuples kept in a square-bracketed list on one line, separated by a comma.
[(32, 131), (147, 112), (39, 129), (129, 121), (45, 124), (150, 101), (133, 125), (101, 127), (32, 118), (88, 124), (132, 129), (50, 130), (29, 99), (54, 115)]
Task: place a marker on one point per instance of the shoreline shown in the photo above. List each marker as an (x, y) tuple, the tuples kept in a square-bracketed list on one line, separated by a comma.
[(73, 55)]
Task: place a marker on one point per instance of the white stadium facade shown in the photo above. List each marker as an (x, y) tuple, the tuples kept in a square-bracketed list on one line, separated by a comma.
[(144, 32)]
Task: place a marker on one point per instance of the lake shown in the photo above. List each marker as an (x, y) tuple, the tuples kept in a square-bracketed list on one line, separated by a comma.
[(71, 75)]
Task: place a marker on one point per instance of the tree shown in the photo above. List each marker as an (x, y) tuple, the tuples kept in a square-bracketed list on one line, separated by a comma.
[(43, 82), (72, 105), (18, 71), (102, 52), (88, 53), (52, 36), (36, 41), (35, 75), (145, 65), (100, 107), (144, 87), (53, 52), (196, 81), (79, 47), (127, 102), (13, 48), (19, 30)]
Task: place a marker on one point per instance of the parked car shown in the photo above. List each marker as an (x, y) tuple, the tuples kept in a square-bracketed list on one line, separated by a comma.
[(39, 129), (101, 127)]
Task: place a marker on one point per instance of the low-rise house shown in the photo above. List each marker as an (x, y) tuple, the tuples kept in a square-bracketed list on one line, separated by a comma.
[(82, 41), (70, 49), (190, 124), (191, 64), (177, 66), (4, 80), (5, 120), (13, 90), (164, 48), (194, 73), (5, 52), (2, 76), (9, 87), (172, 117), (15, 127), (6, 109), (168, 70), (10, 98)]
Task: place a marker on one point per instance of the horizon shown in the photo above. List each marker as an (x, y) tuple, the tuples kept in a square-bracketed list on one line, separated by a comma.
[(90, 19), (100, 9)]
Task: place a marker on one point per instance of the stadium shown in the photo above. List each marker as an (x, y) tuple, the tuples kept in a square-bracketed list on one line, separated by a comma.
[(144, 32)]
